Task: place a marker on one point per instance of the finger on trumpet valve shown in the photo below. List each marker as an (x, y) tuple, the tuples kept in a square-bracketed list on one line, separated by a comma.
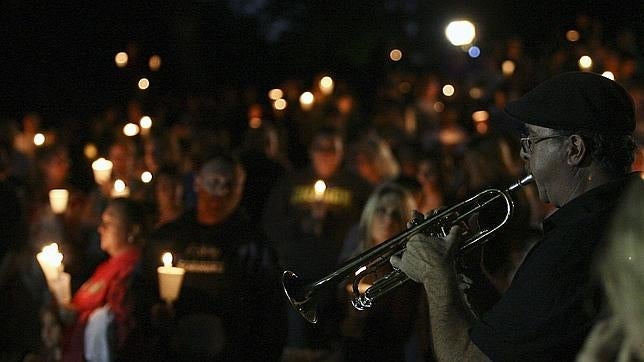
[(416, 219)]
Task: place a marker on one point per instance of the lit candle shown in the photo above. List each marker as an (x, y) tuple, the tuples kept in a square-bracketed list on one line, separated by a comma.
[(319, 189), (58, 199), (170, 279), (102, 170), (306, 100), (39, 139), (120, 189), (326, 85), (146, 177), (51, 261), (131, 129), (59, 282), (145, 123), (167, 259)]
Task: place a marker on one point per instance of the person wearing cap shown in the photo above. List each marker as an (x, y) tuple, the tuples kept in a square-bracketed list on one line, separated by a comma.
[(579, 148), (230, 304), (308, 229)]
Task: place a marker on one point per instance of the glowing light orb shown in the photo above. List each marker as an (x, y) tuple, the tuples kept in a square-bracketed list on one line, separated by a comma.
[(585, 62), (275, 94), (121, 59), (508, 67), (572, 35), (474, 52), (280, 104), (326, 85), (460, 32), (39, 139), (448, 90), (395, 55), (144, 83), (146, 177), (130, 130), (480, 116), (90, 151), (154, 63), (609, 75), (306, 100), (145, 122)]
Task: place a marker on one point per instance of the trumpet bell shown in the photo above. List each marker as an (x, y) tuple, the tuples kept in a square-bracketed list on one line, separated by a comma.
[(300, 297)]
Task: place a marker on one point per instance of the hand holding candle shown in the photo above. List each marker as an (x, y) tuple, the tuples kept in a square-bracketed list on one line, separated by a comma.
[(170, 279), (318, 209)]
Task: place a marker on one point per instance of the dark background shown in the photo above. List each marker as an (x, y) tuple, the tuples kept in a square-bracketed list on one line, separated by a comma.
[(57, 58)]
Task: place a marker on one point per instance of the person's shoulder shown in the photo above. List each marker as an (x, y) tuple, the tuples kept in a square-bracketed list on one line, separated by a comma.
[(187, 220), (354, 182)]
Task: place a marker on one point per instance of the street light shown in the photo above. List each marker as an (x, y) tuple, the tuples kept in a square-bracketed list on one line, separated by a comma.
[(460, 32)]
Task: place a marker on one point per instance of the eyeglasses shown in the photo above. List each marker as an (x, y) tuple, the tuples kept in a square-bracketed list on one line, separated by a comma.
[(527, 143), (217, 185)]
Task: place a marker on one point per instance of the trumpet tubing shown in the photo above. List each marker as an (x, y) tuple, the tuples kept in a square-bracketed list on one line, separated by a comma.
[(302, 296)]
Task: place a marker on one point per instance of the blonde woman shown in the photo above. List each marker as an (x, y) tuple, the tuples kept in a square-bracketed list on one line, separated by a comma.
[(382, 332), (620, 337)]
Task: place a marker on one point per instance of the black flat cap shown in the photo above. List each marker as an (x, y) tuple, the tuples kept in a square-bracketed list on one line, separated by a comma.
[(577, 101)]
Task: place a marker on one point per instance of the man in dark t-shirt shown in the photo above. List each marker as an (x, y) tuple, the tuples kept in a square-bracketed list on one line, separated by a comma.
[(230, 298), (579, 148)]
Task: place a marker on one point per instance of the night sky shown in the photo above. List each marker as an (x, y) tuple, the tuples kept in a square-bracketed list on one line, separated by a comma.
[(57, 58)]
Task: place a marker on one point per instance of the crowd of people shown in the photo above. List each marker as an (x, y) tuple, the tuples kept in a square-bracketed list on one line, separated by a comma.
[(240, 191)]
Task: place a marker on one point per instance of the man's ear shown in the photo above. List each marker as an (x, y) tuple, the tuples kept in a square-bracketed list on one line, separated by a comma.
[(576, 151)]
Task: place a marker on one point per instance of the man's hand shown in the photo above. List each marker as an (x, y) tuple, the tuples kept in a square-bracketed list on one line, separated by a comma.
[(427, 255)]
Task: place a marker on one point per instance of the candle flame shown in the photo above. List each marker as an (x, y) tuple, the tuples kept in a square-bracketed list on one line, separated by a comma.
[(121, 59), (326, 85), (306, 100), (167, 259), (319, 187), (51, 254), (102, 164), (39, 139), (146, 177), (145, 122), (119, 185), (275, 94)]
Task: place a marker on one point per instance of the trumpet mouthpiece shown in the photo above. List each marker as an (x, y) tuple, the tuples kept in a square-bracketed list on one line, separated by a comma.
[(521, 183)]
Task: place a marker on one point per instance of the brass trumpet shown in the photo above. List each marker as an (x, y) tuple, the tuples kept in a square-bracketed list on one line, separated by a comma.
[(303, 297)]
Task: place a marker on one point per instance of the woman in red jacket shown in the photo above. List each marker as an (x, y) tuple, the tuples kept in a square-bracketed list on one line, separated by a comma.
[(107, 289)]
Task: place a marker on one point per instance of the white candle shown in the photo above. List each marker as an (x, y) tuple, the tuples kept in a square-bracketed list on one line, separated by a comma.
[(51, 261), (58, 199), (102, 170), (59, 282), (170, 279), (319, 189)]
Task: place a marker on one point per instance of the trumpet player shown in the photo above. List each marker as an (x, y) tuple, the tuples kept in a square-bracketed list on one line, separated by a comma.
[(578, 145)]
